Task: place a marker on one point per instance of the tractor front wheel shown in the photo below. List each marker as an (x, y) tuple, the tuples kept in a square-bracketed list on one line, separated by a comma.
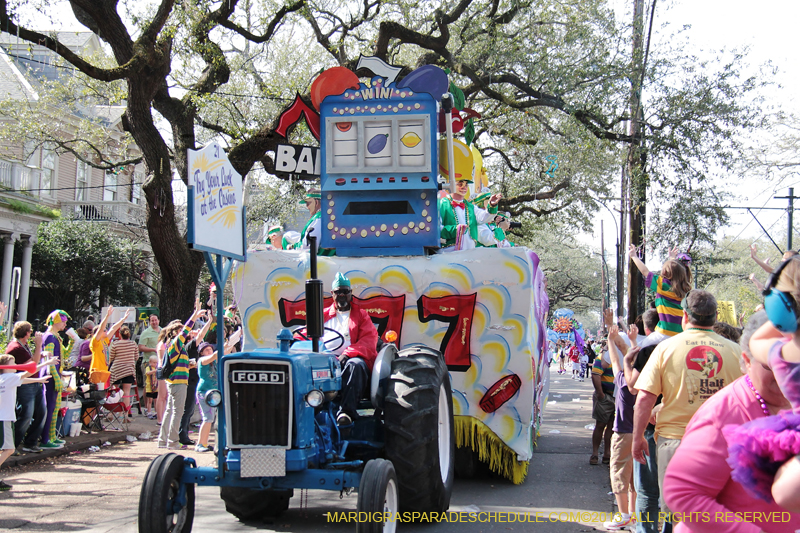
[(166, 505), (378, 498)]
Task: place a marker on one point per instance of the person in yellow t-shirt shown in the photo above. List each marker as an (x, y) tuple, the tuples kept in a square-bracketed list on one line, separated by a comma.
[(687, 370), (98, 372)]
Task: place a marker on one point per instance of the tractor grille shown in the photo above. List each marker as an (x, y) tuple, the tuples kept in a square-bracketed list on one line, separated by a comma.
[(258, 403)]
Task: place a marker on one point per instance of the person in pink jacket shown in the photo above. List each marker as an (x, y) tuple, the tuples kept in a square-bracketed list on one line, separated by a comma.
[(697, 486)]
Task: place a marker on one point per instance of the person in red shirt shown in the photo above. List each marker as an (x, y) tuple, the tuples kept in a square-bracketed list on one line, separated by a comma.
[(31, 411), (357, 349), (575, 357)]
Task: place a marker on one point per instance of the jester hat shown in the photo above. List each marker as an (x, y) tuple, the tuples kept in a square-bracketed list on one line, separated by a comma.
[(57, 317)]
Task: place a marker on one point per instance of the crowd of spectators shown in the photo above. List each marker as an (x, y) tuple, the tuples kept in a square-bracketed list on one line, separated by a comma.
[(694, 414), (106, 358)]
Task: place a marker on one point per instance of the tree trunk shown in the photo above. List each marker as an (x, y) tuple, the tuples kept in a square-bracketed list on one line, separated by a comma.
[(637, 189)]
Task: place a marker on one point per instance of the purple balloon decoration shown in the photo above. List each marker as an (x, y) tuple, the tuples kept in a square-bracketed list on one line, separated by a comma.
[(426, 79)]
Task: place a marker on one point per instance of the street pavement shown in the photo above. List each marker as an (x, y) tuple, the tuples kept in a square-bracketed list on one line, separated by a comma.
[(99, 491)]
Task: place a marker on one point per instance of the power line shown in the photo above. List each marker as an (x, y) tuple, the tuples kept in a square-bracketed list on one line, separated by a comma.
[(81, 188)]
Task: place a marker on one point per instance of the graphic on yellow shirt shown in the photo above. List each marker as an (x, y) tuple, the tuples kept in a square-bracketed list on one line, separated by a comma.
[(703, 363)]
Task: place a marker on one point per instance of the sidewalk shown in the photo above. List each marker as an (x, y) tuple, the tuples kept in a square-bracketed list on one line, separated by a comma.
[(564, 480), (138, 424)]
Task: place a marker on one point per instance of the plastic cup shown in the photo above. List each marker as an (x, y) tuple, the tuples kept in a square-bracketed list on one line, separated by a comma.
[(72, 334)]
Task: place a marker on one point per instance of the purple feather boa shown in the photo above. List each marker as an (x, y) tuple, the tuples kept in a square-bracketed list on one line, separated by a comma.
[(758, 448)]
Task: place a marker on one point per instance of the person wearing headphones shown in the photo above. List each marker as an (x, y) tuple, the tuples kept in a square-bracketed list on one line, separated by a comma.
[(775, 345)]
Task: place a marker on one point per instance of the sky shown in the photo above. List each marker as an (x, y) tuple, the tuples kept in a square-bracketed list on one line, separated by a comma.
[(768, 29)]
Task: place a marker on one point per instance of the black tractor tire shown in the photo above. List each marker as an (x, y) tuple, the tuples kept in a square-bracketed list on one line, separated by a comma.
[(420, 440), (160, 488), (378, 497), (250, 504), (467, 463)]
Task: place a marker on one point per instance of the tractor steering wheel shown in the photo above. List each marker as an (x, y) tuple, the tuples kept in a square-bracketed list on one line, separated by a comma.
[(302, 332)]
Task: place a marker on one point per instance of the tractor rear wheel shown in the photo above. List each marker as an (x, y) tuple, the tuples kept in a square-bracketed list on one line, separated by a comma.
[(420, 434)]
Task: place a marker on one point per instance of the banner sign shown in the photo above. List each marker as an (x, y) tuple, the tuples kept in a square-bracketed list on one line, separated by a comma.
[(215, 204), (294, 159), (726, 312)]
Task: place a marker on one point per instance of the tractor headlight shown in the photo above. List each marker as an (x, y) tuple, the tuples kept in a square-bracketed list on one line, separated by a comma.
[(315, 398), (213, 398)]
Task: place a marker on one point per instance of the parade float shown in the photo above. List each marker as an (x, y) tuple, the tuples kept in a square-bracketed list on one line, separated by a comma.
[(484, 309)]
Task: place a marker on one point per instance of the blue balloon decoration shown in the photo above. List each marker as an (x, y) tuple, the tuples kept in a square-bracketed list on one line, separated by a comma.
[(426, 79)]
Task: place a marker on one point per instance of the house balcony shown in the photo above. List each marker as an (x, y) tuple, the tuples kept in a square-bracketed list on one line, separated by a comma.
[(124, 213), (19, 178)]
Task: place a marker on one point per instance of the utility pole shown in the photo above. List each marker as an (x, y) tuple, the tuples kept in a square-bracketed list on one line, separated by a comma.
[(790, 215), (637, 188), (602, 266)]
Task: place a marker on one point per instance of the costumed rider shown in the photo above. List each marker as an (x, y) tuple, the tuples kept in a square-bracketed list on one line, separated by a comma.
[(492, 230), (357, 353), (313, 201), (460, 218), (277, 239)]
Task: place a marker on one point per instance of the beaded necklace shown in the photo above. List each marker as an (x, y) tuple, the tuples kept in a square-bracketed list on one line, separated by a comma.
[(758, 396)]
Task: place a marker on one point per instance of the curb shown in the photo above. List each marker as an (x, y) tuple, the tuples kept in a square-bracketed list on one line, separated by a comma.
[(94, 439)]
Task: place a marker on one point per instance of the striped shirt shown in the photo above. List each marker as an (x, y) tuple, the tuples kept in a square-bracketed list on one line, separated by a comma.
[(178, 356), (606, 375), (123, 355), (668, 305)]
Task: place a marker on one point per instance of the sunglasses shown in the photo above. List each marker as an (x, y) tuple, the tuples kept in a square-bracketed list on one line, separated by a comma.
[(342, 291)]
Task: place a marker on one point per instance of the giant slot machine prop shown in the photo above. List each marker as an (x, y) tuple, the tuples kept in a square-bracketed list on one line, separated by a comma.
[(483, 309), (379, 159)]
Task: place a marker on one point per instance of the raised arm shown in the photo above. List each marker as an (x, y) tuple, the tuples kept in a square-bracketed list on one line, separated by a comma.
[(758, 284), (118, 324), (763, 264), (631, 374), (633, 254), (201, 335), (613, 351), (633, 334)]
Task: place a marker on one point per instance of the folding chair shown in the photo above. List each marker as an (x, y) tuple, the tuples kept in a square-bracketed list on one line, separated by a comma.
[(113, 411), (135, 398), (90, 410)]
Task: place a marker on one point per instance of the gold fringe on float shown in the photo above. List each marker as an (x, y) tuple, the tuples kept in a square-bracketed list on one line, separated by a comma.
[(474, 434)]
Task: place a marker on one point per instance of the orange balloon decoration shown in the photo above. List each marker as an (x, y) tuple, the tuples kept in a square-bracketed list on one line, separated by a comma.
[(333, 81)]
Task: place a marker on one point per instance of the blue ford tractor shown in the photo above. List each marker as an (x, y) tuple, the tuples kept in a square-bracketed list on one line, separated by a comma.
[(277, 432)]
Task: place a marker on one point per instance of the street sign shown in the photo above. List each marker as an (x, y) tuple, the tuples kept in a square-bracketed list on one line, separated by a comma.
[(215, 204)]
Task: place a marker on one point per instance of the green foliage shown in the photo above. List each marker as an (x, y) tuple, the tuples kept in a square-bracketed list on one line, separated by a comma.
[(32, 209), (76, 262), (724, 271), (550, 79), (572, 269)]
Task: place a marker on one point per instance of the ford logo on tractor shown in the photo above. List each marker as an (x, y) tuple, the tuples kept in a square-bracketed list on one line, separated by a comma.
[(258, 376)]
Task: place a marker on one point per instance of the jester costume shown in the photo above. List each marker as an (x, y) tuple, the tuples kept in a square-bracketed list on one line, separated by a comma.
[(453, 213), (314, 225), (53, 387)]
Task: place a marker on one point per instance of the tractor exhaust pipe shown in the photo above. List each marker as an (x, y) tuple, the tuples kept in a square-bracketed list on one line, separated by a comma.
[(314, 299)]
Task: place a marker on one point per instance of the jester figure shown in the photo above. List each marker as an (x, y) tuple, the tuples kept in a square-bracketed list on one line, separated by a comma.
[(56, 322), (460, 218)]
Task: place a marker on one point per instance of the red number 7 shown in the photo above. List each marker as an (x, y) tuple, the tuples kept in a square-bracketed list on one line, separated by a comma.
[(457, 310)]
